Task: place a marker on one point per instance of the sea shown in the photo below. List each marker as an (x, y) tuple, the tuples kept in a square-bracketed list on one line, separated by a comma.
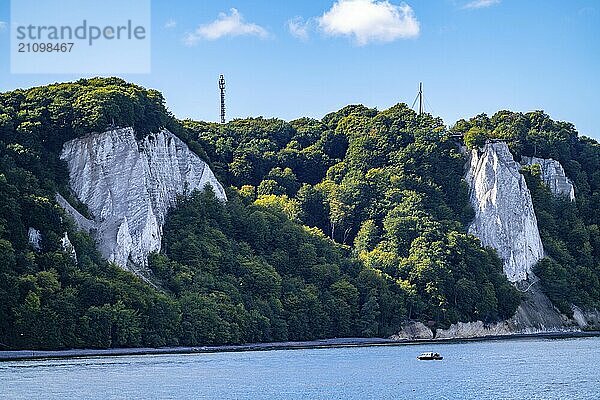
[(532, 368)]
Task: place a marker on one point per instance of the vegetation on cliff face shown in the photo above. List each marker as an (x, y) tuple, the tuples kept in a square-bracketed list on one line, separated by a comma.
[(344, 226)]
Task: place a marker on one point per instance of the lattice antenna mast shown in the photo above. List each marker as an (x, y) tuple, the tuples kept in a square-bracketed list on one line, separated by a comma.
[(222, 88)]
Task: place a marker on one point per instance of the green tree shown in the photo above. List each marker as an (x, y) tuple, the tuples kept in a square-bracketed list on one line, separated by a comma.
[(476, 137)]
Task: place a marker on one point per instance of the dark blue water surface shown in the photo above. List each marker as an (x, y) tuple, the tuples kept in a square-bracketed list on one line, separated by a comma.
[(509, 369)]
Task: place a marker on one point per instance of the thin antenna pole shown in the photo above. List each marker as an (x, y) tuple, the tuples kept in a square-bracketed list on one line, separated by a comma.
[(222, 88), (420, 98)]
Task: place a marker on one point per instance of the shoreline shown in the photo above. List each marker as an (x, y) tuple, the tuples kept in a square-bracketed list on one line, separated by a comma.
[(18, 355)]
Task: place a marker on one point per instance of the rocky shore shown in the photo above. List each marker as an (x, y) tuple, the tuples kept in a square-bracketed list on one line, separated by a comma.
[(314, 344)]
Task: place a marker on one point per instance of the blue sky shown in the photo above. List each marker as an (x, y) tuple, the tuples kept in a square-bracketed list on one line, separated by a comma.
[(472, 56)]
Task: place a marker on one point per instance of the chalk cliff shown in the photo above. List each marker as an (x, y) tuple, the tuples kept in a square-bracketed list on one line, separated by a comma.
[(68, 247), (413, 330), (35, 238), (553, 175), (505, 220), (128, 187), (504, 215)]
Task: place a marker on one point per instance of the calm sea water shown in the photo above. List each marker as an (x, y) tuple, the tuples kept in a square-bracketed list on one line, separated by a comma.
[(512, 369)]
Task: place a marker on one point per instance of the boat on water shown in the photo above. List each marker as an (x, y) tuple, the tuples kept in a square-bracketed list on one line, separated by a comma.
[(430, 356)]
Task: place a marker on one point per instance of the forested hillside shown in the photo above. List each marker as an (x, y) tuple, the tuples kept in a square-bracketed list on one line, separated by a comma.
[(344, 226), (385, 185)]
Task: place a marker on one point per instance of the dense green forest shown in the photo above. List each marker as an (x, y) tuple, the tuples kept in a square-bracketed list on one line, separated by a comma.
[(344, 226)]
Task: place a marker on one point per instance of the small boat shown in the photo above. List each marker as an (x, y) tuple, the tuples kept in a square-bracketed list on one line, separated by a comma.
[(430, 356)]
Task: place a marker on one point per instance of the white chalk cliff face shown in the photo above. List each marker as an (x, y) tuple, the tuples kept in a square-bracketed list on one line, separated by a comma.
[(553, 175), (505, 220), (35, 238), (128, 187), (504, 215)]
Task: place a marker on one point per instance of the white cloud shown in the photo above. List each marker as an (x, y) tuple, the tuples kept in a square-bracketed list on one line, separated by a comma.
[(170, 24), (298, 28), (480, 4), (225, 25), (2, 25), (370, 21)]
